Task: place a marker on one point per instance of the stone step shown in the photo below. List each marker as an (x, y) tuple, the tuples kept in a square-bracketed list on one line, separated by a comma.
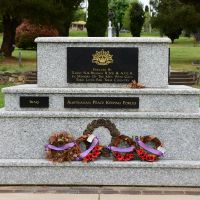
[(183, 83), (180, 79), (31, 78), (102, 172), (30, 81), (180, 73), (181, 76), (170, 99), (31, 72)]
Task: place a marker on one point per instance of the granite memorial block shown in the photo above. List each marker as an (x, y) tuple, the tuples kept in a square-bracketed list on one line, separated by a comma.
[(76, 74)]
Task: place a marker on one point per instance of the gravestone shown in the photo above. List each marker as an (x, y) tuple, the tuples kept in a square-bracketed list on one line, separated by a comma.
[(84, 79)]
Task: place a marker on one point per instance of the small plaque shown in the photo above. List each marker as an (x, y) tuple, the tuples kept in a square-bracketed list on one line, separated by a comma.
[(102, 65), (34, 102), (101, 102)]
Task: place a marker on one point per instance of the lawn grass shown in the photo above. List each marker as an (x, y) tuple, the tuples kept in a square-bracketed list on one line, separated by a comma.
[(2, 95), (183, 52)]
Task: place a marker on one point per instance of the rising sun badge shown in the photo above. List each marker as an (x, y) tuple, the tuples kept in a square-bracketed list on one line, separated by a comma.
[(102, 58)]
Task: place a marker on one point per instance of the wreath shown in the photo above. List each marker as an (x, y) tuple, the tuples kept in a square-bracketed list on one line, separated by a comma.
[(93, 149), (114, 132), (61, 147), (149, 148), (122, 153)]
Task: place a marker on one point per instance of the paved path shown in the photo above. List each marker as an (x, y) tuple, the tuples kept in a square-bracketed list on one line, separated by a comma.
[(30, 196), (97, 193)]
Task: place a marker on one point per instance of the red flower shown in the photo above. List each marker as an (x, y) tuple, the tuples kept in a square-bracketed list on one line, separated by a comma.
[(120, 158), (88, 157), (128, 157), (95, 154), (140, 152), (97, 148), (116, 154), (151, 158)]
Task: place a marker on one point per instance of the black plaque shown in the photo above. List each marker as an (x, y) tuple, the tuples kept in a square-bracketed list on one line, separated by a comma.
[(102, 65), (34, 102), (101, 102)]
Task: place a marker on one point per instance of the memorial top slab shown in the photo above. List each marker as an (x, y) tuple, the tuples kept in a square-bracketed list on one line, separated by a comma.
[(102, 61), (102, 39)]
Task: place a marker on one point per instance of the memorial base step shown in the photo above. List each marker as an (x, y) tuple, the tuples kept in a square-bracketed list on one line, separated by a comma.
[(101, 172), (23, 134), (170, 99)]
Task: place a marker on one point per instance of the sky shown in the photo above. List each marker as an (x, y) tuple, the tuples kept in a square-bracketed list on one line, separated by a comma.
[(144, 2)]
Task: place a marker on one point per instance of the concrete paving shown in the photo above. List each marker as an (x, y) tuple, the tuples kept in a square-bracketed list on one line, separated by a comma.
[(98, 193), (31, 196)]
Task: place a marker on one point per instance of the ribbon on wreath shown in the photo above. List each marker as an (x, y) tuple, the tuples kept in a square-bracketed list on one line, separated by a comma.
[(147, 148), (121, 150), (61, 148), (94, 143)]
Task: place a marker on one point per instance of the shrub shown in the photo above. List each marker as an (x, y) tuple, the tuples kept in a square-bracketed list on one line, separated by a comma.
[(27, 32), (97, 18), (136, 19)]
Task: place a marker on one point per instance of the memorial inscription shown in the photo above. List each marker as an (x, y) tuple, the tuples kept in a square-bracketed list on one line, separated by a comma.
[(34, 102), (102, 65), (101, 102)]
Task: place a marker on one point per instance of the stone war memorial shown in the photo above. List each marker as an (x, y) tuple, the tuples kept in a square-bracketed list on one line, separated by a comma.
[(84, 85)]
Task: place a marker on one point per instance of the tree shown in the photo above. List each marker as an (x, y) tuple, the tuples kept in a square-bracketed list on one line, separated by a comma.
[(54, 12), (136, 19), (173, 16), (97, 18), (79, 15), (65, 10), (154, 6), (27, 32), (118, 8)]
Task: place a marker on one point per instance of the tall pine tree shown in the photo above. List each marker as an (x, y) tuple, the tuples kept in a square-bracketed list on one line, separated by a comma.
[(136, 19), (97, 18)]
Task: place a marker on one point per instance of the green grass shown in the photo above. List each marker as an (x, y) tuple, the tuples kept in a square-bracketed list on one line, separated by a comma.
[(183, 52), (78, 34), (1, 38), (2, 95), (14, 68)]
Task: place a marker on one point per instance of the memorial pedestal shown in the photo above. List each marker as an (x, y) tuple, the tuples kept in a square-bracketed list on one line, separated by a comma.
[(32, 113)]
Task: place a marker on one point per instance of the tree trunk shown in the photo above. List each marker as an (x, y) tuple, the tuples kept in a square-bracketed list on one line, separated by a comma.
[(67, 28), (117, 32), (9, 30)]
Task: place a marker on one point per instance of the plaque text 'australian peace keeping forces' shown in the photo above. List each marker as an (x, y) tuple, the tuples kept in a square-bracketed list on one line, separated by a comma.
[(102, 65)]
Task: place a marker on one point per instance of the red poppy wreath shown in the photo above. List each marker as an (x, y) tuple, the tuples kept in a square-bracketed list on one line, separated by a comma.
[(149, 148)]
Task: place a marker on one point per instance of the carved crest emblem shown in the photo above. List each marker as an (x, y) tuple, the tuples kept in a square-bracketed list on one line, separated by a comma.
[(102, 58)]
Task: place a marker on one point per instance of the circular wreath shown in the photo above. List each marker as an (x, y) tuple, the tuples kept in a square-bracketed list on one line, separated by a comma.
[(93, 149), (125, 153), (114, 132), (149, 148), (61, 147)]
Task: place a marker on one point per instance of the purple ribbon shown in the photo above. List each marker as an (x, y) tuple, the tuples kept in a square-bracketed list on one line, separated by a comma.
[(121, 150), (95, 141), (62, 148), (149, 149)]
